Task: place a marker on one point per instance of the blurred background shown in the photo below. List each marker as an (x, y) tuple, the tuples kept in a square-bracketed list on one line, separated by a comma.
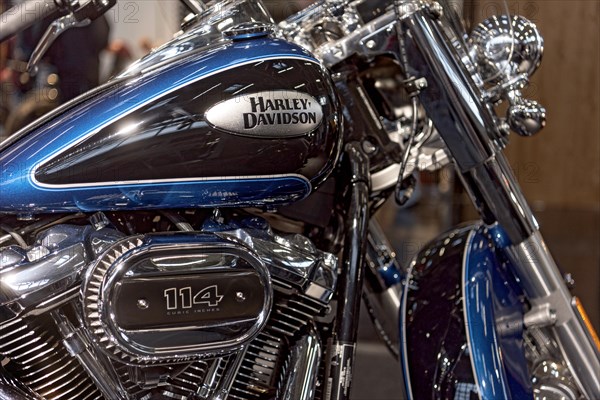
[(559, 169)]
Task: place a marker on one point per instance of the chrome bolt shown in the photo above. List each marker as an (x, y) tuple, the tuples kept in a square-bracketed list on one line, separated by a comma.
[(240, 296), (436, 9), (37, 252), (368, 147), (569, 280), (370, 44), (143, 304)]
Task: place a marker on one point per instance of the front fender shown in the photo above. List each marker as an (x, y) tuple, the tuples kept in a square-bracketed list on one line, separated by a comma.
[(461, 321)]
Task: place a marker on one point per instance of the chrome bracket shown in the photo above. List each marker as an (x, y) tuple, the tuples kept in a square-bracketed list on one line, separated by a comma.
[(79, 15), (415, 85), (539, 316), (55, 29)]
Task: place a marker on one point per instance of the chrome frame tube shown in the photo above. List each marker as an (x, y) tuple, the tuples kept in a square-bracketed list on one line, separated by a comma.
[(383, 287), (453, 101), (233, 365), (11, 393), (96, 365), (12, 389), (196, 6), (342, 348)]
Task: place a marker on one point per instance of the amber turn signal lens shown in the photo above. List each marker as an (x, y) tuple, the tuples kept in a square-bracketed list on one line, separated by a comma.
[(588, 324)]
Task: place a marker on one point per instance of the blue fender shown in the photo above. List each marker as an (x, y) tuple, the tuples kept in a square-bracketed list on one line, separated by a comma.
[(461, 331)]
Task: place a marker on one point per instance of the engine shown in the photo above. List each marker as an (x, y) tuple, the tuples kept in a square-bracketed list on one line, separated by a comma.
[(228, 310)]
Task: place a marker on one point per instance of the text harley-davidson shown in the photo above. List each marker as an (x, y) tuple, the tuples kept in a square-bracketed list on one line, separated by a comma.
[(200, 227)]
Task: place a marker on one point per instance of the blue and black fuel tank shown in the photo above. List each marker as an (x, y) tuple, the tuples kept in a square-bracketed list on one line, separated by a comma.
[(238, 123)]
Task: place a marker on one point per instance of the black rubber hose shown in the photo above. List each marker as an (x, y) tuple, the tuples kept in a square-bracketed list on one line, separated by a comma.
[(23, 15)]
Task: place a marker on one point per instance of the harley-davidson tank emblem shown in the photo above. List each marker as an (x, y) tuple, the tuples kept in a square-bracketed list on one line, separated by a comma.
[(268, 114)]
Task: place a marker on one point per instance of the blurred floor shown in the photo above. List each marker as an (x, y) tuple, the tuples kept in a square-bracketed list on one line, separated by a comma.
[(573, 236)]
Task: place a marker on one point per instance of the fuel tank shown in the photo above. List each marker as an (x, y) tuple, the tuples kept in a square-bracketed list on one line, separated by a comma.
[(250, 121)]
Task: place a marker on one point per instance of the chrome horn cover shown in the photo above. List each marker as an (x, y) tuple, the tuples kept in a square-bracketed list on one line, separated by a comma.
[(506, 48)]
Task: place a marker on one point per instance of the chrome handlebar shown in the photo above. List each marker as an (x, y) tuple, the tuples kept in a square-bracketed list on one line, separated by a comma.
[(25, 14), (502, 53)]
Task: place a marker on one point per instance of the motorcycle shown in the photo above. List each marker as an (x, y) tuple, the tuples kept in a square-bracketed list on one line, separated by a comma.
[(199, 227)]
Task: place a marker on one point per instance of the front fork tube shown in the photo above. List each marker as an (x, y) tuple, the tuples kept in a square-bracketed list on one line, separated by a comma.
[(465, 122), (496, 194), (553, 303), (342, 346)]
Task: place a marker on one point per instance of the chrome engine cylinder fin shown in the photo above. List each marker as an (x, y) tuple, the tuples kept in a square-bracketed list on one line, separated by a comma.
[(277, 285), (39, 361), (11, 388), (191, 376), (183, 379), (258, 374), (269, 358), (96, 365), (291, 314)]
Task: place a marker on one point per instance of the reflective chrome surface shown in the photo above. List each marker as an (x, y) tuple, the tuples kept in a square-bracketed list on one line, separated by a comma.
[(204, 30), (506, 48), (96, 365), (196, 6), (52, 265), (231, 369), (495, 193), (453, 102), (457, 105), (291, 258), (552, 381), (525, 117), (451, 99), (11, 389), (54, 30), (207, 282), (507, 51), (428, 153), (247, 30), (467, 127), (34, 356), (376, 37), (292, 315), (301, 379), (11, 393), (543, 284)]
